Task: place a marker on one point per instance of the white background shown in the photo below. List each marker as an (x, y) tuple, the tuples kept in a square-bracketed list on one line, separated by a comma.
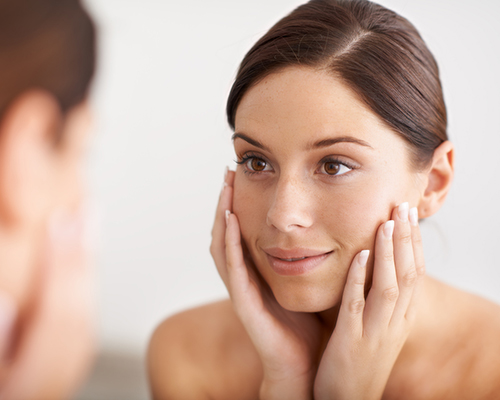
[(161, 144)]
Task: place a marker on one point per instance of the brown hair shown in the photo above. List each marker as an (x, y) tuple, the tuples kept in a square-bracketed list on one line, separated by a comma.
[(376, 52), (46, 44)]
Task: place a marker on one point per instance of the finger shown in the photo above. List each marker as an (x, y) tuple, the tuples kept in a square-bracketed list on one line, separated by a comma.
[(350, 319), (384, 291), (56, 344), (244, 291), (418, 253), (404, 260), (217, 247), (238, 277), (8, 315), (228, 181)]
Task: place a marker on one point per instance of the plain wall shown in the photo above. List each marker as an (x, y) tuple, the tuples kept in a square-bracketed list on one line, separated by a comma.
[(161, 144)]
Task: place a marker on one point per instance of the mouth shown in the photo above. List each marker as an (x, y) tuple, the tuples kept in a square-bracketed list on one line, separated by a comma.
[(295, 262), (292, 259)]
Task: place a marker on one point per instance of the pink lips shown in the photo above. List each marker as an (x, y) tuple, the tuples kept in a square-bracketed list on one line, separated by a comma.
[(296, 261)]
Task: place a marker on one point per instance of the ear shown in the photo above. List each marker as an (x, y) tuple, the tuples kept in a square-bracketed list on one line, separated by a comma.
[(439, 178), (27, 137)]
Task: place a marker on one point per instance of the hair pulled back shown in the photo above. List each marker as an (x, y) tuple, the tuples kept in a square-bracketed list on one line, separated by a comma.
[(45, 44), (376, 52)]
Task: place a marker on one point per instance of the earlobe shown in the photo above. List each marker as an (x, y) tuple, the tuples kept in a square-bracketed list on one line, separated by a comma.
[(27, 132), (439, 179)]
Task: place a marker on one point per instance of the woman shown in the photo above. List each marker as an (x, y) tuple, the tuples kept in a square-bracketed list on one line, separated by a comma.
[(47, 54), (341, 144)]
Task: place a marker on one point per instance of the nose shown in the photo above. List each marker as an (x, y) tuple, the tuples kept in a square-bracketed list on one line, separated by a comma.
[(291, 206)]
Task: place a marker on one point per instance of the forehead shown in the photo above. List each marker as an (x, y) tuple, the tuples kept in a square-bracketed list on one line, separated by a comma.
[(305, 105)]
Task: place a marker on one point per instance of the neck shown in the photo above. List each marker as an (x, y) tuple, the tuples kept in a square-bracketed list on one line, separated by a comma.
[(329, 318)]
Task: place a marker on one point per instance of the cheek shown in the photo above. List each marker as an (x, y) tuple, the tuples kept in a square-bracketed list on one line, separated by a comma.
[(353, 216)]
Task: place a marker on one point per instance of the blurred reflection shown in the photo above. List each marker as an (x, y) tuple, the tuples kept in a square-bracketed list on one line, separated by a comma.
[(47, 58)]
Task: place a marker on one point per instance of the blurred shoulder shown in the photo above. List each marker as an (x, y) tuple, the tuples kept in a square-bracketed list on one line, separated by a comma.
[(202, 353)]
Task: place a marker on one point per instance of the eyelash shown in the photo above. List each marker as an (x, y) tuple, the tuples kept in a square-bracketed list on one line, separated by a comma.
[(247, 157), (335, 160), (331, 159)]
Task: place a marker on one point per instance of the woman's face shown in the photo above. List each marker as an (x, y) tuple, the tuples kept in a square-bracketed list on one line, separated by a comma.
[(318, 173)]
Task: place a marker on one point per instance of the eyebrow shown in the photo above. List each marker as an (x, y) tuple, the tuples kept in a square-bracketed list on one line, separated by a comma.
[(342, 139), (318, 145), (253, 142)]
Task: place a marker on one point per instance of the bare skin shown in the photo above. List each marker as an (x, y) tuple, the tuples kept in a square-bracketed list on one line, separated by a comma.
[(222, 363), (47, 340), (317, 240)]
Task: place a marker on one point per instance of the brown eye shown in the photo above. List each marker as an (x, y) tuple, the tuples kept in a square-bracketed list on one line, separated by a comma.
[(257, 164), (335, 168), (332, 168)]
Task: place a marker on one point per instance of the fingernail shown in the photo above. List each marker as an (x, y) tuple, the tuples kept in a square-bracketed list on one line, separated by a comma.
[(403, 211), (227, 216), (363, 257), (414, 216), (389, 229), (224, 184)]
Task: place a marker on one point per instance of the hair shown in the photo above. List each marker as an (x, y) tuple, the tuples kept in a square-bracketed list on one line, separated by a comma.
[(377, 53), (46, 44)]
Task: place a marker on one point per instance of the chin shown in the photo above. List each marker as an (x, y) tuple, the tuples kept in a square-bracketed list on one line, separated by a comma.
[(306, 298)]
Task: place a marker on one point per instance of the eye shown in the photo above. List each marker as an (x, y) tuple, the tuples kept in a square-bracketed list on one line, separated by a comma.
[(256, 164), (335, 167)]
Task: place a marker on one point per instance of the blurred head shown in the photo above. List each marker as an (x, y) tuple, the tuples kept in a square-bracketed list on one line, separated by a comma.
[(47, 53), (339, 116)]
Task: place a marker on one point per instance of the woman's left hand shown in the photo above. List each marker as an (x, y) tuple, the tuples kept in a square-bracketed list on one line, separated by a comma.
[(370, 334)]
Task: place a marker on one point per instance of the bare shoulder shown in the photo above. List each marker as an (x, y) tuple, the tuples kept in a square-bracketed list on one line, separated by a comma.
[(483, 336), (475, 346), (203, 353)]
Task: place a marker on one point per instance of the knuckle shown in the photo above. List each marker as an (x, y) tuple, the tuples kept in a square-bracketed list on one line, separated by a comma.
[(391, 294), (388, 257), (417, 240), (410, 278), (405, 238), (420, 269), (356, 306), (358, 281)]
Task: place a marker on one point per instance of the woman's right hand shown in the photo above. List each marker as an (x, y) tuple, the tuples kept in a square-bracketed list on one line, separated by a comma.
[(288, 343)]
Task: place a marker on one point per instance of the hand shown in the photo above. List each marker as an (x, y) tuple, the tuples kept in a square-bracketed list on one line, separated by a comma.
[(288, 343), (369, 335), (54, 344)]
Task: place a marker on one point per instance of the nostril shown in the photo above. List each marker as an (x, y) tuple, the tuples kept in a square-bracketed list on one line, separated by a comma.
[(287, 221)]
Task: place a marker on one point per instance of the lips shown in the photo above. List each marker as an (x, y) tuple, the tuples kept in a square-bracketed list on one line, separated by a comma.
[(295, 261)]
